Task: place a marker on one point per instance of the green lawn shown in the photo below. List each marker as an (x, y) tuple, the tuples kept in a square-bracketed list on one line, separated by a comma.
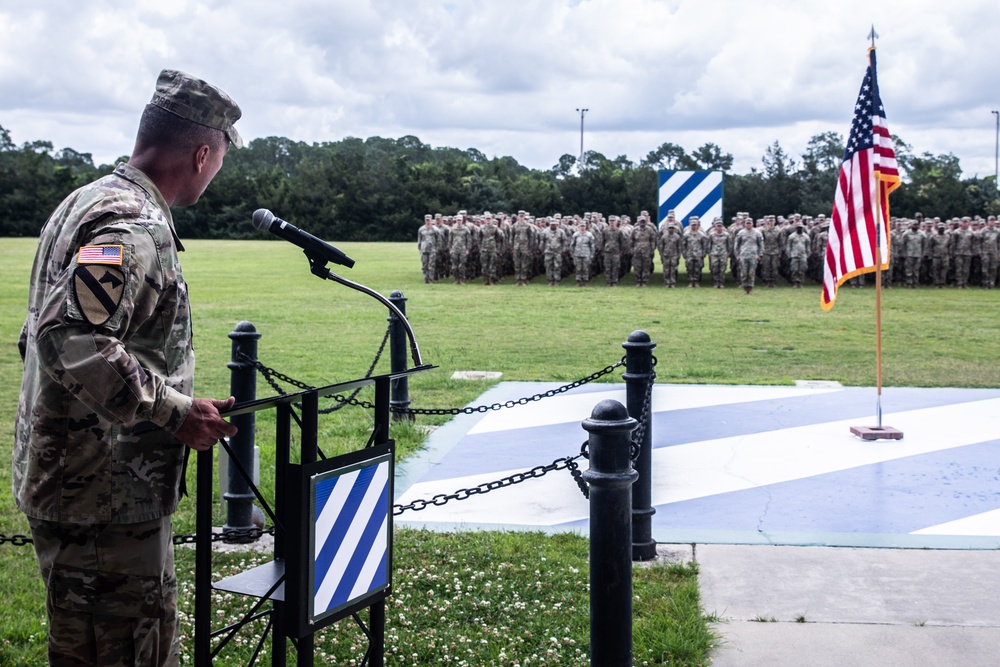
[(320, 332)]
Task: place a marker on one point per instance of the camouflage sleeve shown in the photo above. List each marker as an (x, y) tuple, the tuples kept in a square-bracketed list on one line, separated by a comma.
[(89, 358)]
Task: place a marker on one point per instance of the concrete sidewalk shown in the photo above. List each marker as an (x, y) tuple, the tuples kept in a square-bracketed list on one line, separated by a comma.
[(835, 606)]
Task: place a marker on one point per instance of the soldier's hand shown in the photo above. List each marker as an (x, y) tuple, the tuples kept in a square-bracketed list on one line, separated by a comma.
[(203, 425)]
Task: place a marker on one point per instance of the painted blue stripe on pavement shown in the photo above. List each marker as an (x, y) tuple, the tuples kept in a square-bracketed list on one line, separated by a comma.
[(892, 497)]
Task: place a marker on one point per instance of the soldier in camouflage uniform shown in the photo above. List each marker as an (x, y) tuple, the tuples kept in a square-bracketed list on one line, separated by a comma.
[(719, 247), (695, 248), (460, 240), (749, 248), (939, 245), (613, 241), (643, 247), (553, 244), (670, 246), (490, 243), (106, 405), (961, 251), (797, 249), (427, 244), (913, 243), (989, 246), (582, 246), (522, 237)]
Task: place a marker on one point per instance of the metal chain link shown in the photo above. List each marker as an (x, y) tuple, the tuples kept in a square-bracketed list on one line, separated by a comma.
[(640, 432), (16, 540), (242, 534), (512, 403), (567, 462)]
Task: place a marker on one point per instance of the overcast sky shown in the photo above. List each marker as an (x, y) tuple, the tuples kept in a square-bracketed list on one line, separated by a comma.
[(506, 76)]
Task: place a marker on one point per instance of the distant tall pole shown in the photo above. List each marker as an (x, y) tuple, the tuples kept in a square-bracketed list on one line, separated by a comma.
[(582, 112), (996, 152)]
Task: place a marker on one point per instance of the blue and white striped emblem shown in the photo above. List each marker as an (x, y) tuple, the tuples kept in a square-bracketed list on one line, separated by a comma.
[(688, 193), (351, 513)]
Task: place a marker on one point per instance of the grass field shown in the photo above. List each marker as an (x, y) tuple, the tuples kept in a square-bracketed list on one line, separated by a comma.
[(320, 332)]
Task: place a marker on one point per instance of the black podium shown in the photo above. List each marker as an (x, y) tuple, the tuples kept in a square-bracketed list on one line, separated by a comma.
[(310, 582)]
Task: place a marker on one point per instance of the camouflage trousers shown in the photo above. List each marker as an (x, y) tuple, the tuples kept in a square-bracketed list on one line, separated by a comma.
[(111, 593), (553, 266)]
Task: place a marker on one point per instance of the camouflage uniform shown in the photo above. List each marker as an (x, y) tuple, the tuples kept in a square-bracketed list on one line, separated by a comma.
[(938, 246), (695, 248), (523, 234), (797, 247), (913, 253), (749, 248), (989, 236), (427, 244), (553, 242), (108, 380), (771, 258), (582, 246), (458, 248), (613, 241), (671, 243), (489, 249), (961, 250), (643, 246), (719, 246)]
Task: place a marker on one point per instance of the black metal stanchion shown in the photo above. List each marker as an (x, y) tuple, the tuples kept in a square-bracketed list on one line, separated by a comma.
[(610, 477), (638, 374), (242, 385), (397, 355)]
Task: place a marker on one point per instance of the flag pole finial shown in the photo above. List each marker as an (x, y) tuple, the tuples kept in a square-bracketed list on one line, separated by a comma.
[(873, 35)]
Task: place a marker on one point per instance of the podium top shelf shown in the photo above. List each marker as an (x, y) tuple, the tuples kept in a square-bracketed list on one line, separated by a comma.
[(321, 392)]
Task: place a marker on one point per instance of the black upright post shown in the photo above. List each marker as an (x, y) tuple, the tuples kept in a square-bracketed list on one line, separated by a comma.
[(242, 385), (638, 375), (610, 477), (400, 398), (203, 563)]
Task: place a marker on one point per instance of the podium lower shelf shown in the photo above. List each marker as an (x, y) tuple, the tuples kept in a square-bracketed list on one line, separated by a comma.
[(256, 582)]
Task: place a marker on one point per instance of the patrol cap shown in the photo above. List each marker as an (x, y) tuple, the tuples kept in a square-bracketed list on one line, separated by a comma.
[(198, 101)]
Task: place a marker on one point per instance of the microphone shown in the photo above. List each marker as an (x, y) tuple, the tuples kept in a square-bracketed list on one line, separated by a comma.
[(314, 247)]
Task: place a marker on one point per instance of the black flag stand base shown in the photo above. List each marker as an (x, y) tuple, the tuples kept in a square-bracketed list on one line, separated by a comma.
[(877, 432)]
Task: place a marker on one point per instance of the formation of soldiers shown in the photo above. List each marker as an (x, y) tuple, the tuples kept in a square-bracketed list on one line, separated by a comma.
[(923, 251)]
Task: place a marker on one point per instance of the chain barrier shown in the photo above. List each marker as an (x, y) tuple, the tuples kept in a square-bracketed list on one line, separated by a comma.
[(567, 462), (236, 535)]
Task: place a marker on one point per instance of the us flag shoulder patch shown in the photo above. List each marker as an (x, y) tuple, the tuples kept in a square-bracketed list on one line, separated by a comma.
[(100, 254)]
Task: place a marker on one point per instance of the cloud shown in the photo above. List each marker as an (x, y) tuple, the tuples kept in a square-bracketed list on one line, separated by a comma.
[(506, 76)]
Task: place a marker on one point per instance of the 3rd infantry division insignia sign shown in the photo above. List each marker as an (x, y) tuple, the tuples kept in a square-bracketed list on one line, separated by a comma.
[(98, 282)]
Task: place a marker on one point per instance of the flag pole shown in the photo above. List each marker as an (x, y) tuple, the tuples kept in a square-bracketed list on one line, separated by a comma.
[(878, 302), (877, 432)]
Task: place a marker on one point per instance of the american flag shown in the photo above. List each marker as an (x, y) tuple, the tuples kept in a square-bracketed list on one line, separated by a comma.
[(869, 173), (100, 254)]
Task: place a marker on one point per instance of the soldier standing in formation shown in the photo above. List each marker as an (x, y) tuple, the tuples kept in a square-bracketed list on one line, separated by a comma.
[(523, 234), (553, 245), (582, 247), (749, 248), (490, 242), (694, 247), (613, 242), (643, 246), (459, 244), (719, 248), (671, 247), (797, 249), (428, 239)]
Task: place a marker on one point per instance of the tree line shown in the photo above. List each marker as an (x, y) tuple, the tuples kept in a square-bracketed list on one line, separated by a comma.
[(378, 189)]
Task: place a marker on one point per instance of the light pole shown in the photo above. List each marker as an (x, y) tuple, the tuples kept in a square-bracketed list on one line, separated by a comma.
[(582, 112), (996, 153)]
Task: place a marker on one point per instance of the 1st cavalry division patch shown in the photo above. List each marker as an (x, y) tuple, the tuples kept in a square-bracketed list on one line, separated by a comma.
[(98, 283)]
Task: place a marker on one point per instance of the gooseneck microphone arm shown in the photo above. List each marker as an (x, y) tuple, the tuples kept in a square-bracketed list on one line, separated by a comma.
[(319, 253)]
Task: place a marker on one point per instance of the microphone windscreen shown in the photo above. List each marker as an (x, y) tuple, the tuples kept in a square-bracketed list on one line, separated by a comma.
[(262, 219)]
